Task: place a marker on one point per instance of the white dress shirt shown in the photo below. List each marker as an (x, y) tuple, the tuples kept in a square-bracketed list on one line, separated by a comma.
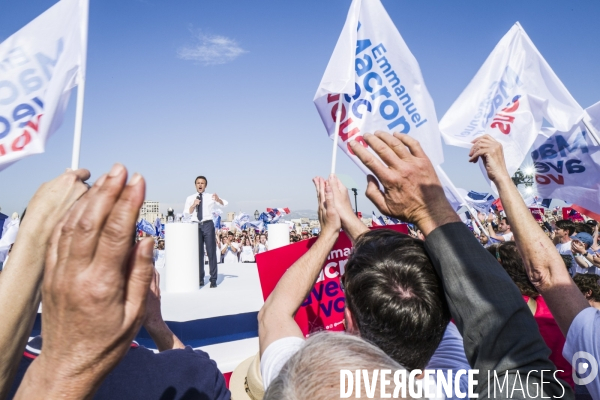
[(208, 206)]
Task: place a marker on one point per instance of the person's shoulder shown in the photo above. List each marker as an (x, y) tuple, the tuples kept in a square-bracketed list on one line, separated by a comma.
[(583, 333), (177, 358)]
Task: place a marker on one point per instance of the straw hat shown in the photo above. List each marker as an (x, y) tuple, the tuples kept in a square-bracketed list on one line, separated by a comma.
[(246, 382)]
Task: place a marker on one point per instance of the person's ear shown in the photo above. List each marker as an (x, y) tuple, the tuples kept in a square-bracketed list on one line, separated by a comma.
[(350, 323)]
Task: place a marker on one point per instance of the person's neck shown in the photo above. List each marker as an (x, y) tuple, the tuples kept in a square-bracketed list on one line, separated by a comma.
[(565, 239), (595, 304)]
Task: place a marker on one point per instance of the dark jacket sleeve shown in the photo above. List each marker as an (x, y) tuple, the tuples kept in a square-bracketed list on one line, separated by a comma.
[(501, 337)]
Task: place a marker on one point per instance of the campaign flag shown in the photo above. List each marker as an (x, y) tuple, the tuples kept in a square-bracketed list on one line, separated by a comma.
[(323, 308), (455, 196), (274, 214), (3, 222), (537, 212), (377, 221), (497, 205), (157, 227), (572, 214), (381, 83), (392, 221), (567, 164), (258, 225), (546, 203), (241, 221), (279, 211), (475, 227), (586, 212), (146, 227), (509, 97), (264, 217), (9, 235), (216, 216), (481, 202), (39, 65)]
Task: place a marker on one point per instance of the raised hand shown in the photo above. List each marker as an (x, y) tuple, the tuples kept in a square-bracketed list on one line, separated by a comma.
[(94, 290), (492, 155), (411, 188), (328, 214)]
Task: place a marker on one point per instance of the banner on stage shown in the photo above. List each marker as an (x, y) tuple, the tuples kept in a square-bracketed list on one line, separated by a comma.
[(324, 306), (39, 65)]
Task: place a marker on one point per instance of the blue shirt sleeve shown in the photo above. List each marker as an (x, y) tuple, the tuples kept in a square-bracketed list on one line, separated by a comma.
[(582, 349)]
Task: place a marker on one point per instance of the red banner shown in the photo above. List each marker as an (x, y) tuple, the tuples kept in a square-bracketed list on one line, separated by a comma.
[(324, 307), (586, 212), (572, 214), (537, 212)]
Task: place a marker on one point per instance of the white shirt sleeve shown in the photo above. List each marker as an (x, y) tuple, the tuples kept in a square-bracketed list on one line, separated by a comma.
[(276, 355), (450, 354), (188, 203), (582, 349)]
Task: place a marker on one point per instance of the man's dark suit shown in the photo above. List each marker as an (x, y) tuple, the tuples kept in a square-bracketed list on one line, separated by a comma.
[(498, 329)]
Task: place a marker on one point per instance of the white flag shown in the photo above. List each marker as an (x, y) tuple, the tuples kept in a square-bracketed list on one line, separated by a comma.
[(567, 164), (39, 65), (509, 98), (453, 194), (382, 83)]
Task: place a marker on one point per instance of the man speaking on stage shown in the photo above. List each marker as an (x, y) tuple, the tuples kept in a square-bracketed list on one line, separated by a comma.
[(200, 206)]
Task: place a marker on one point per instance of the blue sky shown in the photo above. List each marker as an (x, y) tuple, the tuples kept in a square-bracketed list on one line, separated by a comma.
[(181, 88)]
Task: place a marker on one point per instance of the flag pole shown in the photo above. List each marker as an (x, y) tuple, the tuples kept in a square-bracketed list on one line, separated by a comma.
[(80, 85), (336, 133), (477, 222)]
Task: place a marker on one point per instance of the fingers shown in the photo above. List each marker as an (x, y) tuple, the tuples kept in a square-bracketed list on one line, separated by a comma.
[(380, 144), (374, 194), (368, 159), (138, 278), (90, 223), (82, 174), (65, 231), (395, 144), (413, 144), (328, 189), (114, 242)]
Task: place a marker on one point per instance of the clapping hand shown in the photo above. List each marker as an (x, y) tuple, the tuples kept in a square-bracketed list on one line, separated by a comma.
[(328, 215), (94, 290)]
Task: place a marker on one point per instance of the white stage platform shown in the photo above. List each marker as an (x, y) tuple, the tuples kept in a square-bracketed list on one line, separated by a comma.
[(220, 321), (238, 291)]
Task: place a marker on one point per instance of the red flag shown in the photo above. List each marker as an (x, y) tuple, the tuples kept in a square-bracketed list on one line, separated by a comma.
[(498, 204), (586, 212)]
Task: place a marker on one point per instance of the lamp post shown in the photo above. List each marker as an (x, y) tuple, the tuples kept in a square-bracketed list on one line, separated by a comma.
[(355, 203), (256, 214)]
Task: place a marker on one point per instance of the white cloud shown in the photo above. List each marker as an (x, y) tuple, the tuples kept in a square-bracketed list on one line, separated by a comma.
[(211, 49)]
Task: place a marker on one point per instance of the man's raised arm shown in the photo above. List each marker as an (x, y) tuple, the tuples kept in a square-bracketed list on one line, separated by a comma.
[(545, 267), (276, 317), (501, 338)]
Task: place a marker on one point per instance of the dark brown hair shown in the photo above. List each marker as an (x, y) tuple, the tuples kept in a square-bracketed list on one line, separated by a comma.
[(509, 257)]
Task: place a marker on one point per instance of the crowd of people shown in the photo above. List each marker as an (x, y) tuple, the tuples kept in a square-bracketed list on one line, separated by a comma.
[(233, 246), (517, 313)]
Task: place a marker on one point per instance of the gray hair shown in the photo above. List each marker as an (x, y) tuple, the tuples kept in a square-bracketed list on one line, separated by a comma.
[(314, 371)]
